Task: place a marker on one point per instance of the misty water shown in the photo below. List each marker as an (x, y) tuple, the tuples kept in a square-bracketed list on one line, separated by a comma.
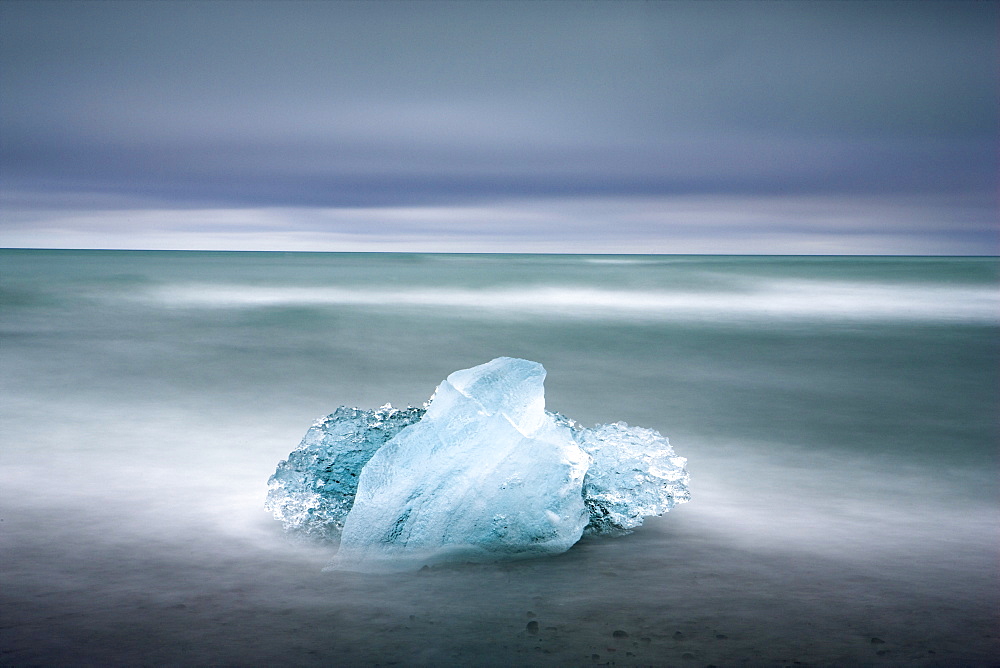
[(838, 415)]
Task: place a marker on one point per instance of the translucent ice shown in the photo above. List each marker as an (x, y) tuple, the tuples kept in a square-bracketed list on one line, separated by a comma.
[(486, 473), (634, 474), (312, 491)]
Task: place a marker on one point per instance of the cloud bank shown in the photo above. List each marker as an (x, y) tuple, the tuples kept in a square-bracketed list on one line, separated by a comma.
[(594, 127)]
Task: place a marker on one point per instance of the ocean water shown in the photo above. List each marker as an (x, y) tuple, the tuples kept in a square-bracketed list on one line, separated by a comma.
[(839, 415)]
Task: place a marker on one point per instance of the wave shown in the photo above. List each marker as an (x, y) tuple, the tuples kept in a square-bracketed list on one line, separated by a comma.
[(615, 260), (782, 300)]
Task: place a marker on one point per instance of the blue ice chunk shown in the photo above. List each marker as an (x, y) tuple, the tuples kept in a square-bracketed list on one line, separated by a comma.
[(483, 472), (635, 474), (486, 474), (313, 490)]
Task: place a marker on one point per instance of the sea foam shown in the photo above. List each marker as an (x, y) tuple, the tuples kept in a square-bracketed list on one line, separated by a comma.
[(784, 300)]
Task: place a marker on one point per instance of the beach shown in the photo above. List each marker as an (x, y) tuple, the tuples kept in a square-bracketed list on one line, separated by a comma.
[(837, 414)]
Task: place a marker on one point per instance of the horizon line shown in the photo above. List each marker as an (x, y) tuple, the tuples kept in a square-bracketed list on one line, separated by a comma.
[(403, 252)]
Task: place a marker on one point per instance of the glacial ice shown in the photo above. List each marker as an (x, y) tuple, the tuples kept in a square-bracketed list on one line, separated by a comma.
[(634, 474), (313, 490), (483, 472)]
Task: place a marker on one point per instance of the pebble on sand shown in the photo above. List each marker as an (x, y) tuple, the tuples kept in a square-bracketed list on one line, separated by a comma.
[(620, 634), (532, 627)]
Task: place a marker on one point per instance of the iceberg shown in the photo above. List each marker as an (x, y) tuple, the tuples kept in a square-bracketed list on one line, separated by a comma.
[(482, 473)]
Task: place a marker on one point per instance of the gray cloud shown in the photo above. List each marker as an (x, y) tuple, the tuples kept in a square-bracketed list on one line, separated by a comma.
[(352, 173), (292, 104)]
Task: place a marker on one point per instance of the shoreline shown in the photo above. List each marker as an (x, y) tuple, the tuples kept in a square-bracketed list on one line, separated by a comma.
[(691, 601)]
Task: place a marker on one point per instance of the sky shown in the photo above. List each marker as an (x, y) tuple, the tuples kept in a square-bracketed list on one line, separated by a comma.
[(593, 127)]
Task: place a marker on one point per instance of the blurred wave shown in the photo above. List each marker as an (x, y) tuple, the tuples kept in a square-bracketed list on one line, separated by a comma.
[(776, 299)]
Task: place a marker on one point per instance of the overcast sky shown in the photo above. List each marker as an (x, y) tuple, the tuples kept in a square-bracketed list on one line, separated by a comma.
[(672, 127)]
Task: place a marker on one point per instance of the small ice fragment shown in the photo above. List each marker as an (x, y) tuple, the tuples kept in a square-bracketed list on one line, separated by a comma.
[(313, 490), (635, 474)]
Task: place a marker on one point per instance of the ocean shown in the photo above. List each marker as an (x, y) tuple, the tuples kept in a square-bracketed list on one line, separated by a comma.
[(838, 414)]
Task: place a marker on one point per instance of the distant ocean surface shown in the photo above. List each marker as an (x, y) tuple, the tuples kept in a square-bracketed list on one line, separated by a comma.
[(839, 416)]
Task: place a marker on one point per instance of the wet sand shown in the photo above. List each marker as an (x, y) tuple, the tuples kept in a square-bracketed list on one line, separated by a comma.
[(668, 595)]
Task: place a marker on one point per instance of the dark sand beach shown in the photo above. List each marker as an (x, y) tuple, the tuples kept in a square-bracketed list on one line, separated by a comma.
[(699, 602)]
